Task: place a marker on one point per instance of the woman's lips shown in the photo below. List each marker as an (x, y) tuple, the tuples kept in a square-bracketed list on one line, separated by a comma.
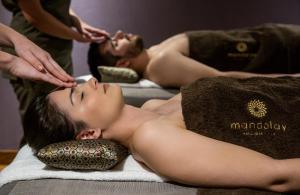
[(105, 87)]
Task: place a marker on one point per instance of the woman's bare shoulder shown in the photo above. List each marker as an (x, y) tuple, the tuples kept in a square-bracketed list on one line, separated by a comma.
[(152, 104), (147, 140), (142, 140), (153, 134), (146, 132)]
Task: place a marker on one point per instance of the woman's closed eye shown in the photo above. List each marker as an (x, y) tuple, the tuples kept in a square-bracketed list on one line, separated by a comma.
[(77, 95), (82, 96)]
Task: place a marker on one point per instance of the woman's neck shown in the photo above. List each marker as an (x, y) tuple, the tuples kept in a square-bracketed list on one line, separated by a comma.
[(130, 119)]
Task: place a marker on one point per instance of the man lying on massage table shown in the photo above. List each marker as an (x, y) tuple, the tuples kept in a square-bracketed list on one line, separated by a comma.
[(270, 49), (198, 137)]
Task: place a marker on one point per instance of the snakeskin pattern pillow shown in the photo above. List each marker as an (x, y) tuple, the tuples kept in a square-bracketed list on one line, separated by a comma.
[(83, 154), (117, 75)]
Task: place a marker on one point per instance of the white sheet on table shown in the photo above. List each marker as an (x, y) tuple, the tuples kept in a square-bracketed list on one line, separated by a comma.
[(27, 167)]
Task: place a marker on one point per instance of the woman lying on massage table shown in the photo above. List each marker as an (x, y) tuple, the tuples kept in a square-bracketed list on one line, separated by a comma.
[(171, 136)]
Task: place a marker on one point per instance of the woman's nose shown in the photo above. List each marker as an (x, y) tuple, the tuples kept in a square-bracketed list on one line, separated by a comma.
[(93, 83)]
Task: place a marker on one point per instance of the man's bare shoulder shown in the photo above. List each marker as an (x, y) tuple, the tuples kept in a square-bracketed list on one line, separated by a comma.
[(162, 65), (162, 61), (157, 67), (175, 42), (175, 45)]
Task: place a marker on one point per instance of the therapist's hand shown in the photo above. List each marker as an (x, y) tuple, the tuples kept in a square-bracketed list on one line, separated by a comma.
[(88, 33), (40, 60), (21, 68)]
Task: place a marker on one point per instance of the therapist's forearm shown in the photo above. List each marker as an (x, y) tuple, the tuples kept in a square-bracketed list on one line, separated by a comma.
[(10, 37), (72, 13), (44, 21), (5, 59), (7, 35), (50, 25)]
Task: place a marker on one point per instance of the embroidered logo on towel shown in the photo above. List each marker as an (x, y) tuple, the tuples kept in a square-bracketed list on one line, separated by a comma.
[(241, 47), (257, 108), (243, 50)]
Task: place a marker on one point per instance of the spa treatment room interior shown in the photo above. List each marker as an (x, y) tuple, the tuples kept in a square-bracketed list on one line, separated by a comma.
[(149, 97)]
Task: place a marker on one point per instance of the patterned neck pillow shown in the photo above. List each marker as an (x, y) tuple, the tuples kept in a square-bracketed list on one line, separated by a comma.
[(97, 154), (117, 75)]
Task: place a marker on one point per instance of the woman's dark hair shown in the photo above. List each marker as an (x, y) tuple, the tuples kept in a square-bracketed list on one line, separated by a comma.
[(44, 123), (96, 58)]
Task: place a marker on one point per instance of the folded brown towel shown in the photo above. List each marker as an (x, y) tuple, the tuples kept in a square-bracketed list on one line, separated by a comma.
[(262, 114), (269, 48)]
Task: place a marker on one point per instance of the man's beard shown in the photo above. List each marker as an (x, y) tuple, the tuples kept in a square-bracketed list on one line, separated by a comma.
[(136, 47)]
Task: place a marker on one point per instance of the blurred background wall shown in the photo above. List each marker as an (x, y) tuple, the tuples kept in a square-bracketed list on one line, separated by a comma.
[(155, 20)]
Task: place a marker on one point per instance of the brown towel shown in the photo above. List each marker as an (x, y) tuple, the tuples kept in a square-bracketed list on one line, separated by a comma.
[(269, 48), (262, 114)]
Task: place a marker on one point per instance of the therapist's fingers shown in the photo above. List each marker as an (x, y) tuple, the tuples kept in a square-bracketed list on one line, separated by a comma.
[(48, 67), (61, 69), (87, 34), (94, 37), (31, 59), (98, 31), (54, 68), (21, 68), (88, 37), (98, 39), (47, 77), (50, 79)]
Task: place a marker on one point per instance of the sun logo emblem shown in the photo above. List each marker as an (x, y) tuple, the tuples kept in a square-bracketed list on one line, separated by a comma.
[(241, 47), (257, 108)]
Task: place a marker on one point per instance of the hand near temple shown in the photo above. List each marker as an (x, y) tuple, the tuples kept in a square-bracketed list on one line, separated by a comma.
[(21, 68), (33, 62), (44, 63), (88, 33)]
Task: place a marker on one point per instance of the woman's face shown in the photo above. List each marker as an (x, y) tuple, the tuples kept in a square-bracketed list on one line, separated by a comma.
[(96, 104)]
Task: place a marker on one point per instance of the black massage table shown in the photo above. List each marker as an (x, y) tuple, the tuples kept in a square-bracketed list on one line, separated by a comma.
[(78, 187)]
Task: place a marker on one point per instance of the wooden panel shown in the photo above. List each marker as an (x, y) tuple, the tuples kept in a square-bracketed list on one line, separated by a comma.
[(6, 157)]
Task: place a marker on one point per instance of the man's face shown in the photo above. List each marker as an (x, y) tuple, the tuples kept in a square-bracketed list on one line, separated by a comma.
[(124, 45)]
